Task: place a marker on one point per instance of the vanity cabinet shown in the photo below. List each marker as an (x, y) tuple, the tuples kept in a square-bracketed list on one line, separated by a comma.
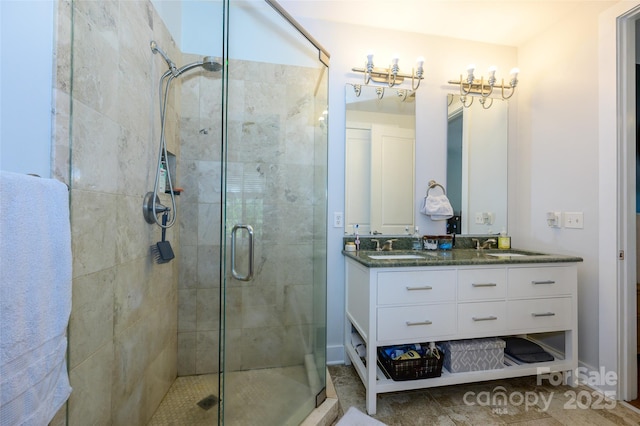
[(398, 305)]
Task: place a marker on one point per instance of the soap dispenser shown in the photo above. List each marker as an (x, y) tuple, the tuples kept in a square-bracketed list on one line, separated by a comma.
[(357, 239), (504, 242), (416, 240)]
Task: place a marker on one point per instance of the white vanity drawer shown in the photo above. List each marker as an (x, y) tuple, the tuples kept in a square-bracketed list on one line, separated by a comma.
[(482, 317), (416, 322), (410, 287), (540, 314), (481, 284), (543, 281)]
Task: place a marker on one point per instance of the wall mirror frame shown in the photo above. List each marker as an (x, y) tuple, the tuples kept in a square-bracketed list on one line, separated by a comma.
[(477, 162), (379, 160)]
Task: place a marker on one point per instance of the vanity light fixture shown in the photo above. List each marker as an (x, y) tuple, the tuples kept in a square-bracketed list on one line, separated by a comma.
[(471, 86), (403, 94), (391, 75)]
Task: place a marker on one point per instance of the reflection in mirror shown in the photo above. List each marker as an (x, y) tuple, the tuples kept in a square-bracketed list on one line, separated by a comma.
[(379, 160), (477, 164)]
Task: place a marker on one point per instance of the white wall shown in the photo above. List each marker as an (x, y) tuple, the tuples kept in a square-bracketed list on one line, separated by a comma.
[(446, 58), (557, 159), (26, 85)]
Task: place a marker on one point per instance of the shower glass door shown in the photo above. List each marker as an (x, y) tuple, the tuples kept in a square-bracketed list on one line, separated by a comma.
[(274, 168)]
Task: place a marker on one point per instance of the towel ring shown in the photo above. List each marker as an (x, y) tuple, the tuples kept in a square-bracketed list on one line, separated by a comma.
[(433, 184)]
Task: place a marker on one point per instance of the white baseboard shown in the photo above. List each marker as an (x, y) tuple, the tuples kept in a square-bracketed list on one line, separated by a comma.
[(335, 355)]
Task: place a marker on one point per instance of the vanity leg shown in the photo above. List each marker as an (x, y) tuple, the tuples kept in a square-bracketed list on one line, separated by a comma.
[(571, 353), (570, 378), (372, 360), (371, 402)]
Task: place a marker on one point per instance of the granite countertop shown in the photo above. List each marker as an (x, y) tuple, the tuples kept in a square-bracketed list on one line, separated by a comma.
[(455, 257)]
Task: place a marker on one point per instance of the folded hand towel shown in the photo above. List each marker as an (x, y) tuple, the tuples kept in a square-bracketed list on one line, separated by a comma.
[(358, 344), (437, 206), (355, 417), (35, 298)]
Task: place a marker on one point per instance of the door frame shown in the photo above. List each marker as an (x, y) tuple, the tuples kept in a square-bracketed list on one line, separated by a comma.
[(617, 255), (626, 126)]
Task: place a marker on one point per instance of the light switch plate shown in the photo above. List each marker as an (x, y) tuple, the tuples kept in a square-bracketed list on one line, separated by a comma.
[(574, 220)]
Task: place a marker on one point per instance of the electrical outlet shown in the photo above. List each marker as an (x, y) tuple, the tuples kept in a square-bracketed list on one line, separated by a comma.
[(480, 218), (338, 220), (554, 219), (574, 220)]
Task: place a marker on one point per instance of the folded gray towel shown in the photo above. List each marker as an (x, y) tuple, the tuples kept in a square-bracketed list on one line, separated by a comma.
[(526, 351)]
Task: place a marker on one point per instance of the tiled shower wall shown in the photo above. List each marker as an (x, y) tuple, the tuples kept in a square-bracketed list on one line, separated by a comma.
[(122, 332), (271, 158)]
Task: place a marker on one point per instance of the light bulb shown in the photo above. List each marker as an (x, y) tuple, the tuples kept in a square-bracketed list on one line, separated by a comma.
[(470, 70), (514, 72), (370, 58), (395, 59), (420, 61)]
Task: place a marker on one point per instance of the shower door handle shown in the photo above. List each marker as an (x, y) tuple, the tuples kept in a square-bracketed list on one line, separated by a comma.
[(235, 273)]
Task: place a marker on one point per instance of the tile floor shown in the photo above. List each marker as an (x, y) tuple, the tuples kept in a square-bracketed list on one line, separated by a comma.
[(248, 405), (556, 405)]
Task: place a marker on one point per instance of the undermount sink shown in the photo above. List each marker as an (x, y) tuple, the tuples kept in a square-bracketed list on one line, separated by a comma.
[(507, 254), (395, 256)]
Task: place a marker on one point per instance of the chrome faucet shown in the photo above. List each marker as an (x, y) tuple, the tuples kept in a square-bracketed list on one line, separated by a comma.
[(388, 245), (486, 244)]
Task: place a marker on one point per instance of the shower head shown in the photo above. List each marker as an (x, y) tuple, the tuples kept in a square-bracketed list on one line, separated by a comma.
[(209, 64), (172, 66)]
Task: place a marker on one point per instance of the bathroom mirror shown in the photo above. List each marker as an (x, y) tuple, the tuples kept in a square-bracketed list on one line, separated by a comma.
[(379, 160), (477, 162)]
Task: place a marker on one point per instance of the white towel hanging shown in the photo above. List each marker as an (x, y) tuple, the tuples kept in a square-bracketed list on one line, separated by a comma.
[(438, 206), (35, 298)]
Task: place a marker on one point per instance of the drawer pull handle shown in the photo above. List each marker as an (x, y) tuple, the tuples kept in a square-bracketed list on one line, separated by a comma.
[(426, 287), (489, 318), (425, 322), (484, 284), (543, 282), (545, 314)]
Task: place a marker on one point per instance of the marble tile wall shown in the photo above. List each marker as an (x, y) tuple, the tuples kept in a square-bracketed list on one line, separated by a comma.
[(123, 326), (271, 160)]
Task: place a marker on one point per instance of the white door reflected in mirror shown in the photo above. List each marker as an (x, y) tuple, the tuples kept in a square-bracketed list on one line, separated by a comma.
[(380, 161)]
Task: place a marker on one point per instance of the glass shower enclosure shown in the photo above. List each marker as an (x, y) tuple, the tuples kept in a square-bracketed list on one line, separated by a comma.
[(255, 145), (233, 328), (274, 183)]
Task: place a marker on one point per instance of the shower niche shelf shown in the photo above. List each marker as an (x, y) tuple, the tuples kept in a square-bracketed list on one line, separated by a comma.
[(171, 164)]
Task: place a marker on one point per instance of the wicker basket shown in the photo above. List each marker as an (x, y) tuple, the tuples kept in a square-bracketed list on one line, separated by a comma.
[(411, 369)]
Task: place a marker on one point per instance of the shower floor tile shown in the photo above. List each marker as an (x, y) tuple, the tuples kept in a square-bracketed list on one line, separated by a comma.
[(249, 401), (180, 404)]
